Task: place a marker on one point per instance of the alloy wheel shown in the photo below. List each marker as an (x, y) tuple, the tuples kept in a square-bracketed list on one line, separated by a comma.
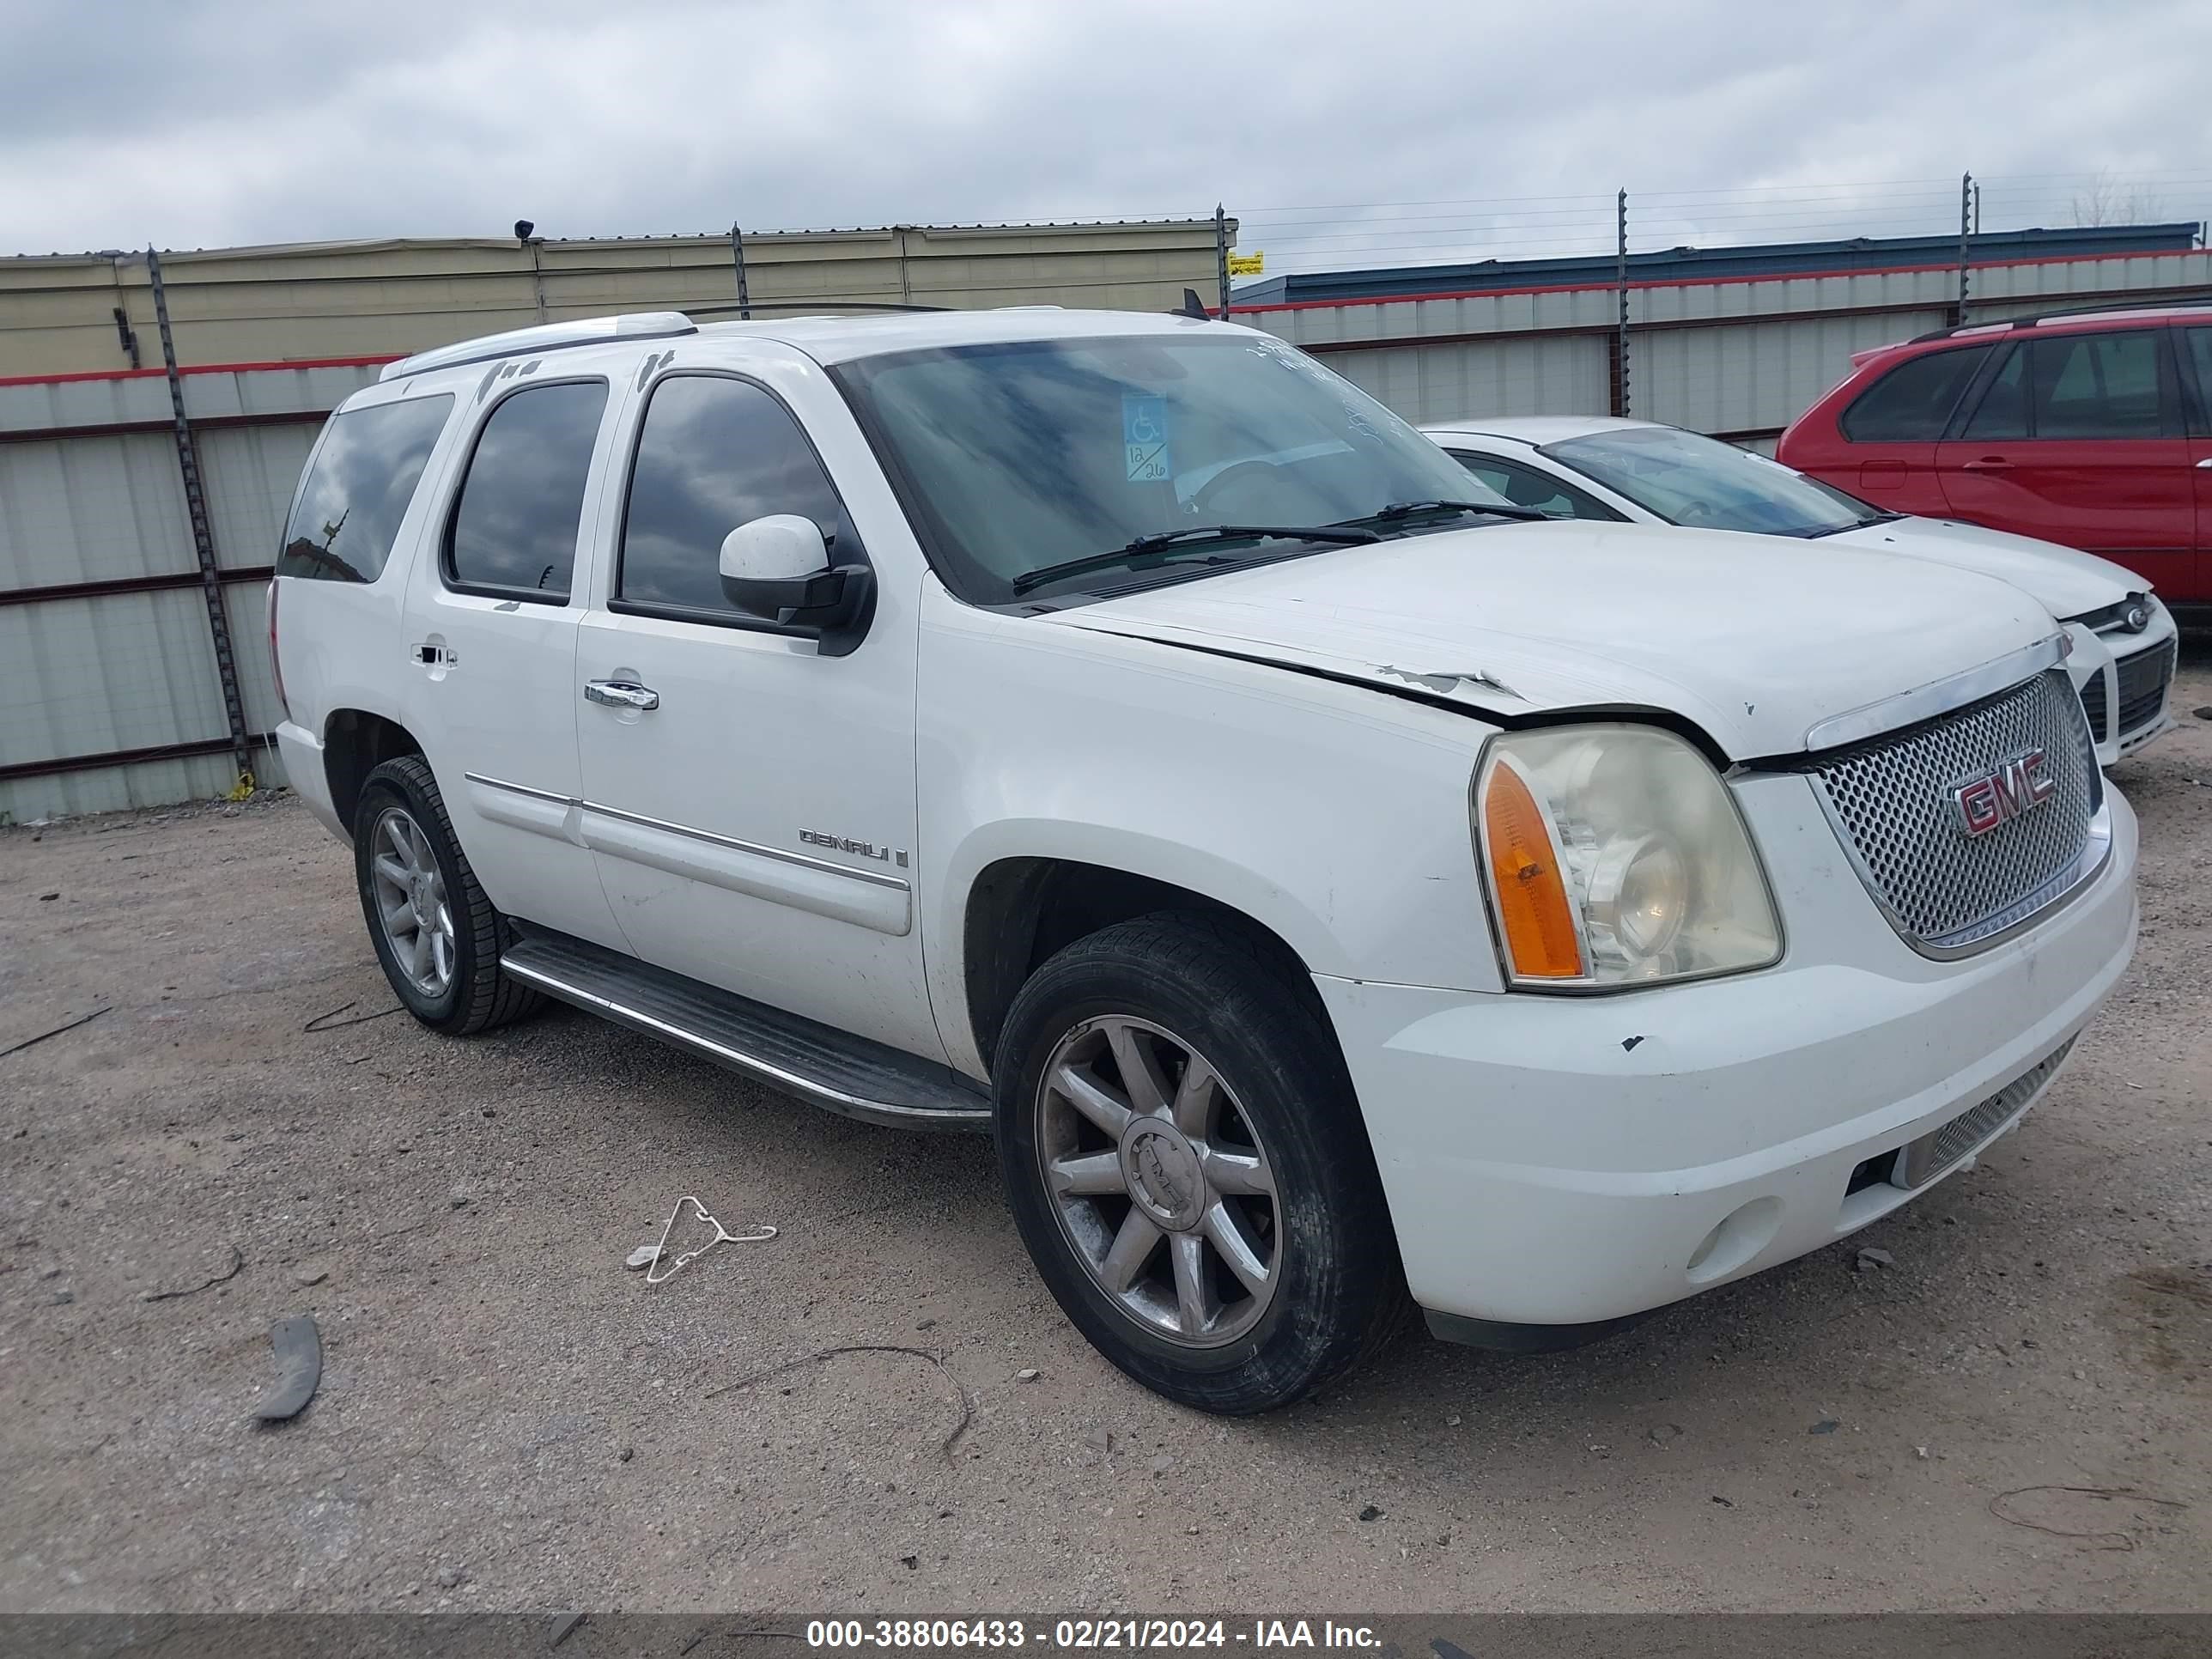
[(1159, 1181)]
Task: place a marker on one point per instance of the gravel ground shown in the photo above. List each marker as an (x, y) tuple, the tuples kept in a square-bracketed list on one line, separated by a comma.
[(509, 1420)]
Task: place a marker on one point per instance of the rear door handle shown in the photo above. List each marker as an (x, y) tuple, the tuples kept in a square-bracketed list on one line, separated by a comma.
[(1987, 464), (2205, 465), (621, 694)]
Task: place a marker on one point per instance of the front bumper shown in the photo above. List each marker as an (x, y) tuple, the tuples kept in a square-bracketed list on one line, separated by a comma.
[(1563, 1161), (2114, 673)]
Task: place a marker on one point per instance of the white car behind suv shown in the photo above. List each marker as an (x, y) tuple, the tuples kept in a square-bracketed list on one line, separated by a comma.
[(1120, 734), (1640, 472)]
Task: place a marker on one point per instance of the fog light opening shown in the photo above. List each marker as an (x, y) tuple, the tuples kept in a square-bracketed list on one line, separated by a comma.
[(1746, 1232)]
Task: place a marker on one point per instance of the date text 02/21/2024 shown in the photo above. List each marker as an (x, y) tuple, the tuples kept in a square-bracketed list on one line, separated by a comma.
[(1089, 1635)]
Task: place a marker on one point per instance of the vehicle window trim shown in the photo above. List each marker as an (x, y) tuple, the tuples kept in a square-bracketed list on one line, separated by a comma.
[(699, 615), (1844, 414), (1607, 513), (447, 577)]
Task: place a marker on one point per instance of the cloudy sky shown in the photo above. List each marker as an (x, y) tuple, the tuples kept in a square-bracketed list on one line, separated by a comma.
[(1400, 132)]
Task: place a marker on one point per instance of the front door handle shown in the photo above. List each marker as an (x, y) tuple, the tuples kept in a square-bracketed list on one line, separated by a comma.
[(621, 694)]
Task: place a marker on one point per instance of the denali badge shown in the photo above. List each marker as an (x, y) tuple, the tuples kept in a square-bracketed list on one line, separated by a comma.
[(866, 849), (1988, 801)]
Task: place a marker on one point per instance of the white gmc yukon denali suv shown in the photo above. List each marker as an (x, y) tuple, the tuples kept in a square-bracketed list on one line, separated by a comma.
[(1120, 734)]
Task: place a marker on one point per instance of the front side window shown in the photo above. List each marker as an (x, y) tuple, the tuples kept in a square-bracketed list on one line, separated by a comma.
[(357, 489), (1021, 456), (521, 508), (1524, 486), (2096, 385), (715, 453), (1687, 478), (1912, 403)]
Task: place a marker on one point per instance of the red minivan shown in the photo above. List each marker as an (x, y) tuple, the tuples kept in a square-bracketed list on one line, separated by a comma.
[(2090, 429)]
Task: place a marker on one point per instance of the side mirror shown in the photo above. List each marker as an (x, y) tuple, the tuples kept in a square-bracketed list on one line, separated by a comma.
[(778, 568)]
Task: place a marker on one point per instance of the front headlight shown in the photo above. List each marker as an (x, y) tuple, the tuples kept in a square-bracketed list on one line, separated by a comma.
[(1616, 856)]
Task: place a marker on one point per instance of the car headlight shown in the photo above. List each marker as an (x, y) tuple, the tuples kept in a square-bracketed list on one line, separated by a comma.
[(1616, 856)]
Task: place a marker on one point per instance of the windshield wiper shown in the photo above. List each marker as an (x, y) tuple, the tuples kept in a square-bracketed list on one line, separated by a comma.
[(1856, 524), (1147, 552), (1398, 512)]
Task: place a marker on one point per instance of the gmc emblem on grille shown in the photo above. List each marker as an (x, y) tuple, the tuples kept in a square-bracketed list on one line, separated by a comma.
[(1997, 796)]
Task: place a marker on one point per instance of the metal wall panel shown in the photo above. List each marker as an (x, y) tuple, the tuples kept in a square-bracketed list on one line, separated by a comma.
[(98, 508), (1403, 319), (122, 671), (116, 788), (1444, 382), (1753, 377)]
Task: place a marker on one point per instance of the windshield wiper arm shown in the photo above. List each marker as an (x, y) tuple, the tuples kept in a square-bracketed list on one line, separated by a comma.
[(1398, 511), (1155, 548), (1856, 524)]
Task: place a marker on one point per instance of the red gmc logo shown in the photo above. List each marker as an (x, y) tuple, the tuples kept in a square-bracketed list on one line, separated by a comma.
[(1992, 799)]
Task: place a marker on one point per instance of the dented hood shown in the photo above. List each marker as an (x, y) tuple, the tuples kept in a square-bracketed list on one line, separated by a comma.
[(1525, 619)]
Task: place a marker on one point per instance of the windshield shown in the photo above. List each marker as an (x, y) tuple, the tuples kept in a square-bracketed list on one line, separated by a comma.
[(1023, 456), (1689, 479)]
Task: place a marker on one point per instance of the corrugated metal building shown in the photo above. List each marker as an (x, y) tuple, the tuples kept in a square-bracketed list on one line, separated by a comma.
[(117, 698), (1735, 342), (115, 694)]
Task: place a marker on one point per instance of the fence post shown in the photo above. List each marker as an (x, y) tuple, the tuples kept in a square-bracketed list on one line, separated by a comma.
[(1621, 402), (738, 259), (1965, 238), (1221, 252), (188, 465)]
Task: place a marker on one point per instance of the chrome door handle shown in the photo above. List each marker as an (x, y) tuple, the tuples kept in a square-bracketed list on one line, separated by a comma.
[(1987, 464), (2205, 465), (621, 694)]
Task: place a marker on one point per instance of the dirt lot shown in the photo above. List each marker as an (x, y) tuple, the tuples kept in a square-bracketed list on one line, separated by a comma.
[(508, 1419)]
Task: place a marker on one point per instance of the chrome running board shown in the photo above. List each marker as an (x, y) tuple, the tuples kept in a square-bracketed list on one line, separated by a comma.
[(848, 1075)]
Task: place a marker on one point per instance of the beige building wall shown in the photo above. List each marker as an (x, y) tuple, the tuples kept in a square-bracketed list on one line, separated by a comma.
[(332, 300)]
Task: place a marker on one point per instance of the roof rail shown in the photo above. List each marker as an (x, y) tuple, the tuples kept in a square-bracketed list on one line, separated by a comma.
[(546, 337), (749, 308), (2203, 303)]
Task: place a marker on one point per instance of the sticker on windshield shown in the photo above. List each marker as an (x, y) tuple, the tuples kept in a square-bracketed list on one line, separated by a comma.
[(1145, 437)]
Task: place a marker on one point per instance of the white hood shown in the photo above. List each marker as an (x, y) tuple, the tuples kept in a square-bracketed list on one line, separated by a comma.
[(1521, 618), (2069, 582)]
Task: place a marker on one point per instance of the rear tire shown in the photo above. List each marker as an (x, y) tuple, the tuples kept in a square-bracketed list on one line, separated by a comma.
[(1185, 1158), (436, 934)]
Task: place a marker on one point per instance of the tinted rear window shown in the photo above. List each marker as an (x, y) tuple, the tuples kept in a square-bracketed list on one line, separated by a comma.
[(357, 489), (1913, 402), (521, 505)]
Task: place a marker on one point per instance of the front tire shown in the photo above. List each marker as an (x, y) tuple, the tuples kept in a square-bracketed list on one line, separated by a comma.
[(436, 934), (1184, 1155)]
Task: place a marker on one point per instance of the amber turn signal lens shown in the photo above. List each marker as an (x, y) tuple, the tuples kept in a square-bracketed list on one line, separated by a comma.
[(1532, 897)]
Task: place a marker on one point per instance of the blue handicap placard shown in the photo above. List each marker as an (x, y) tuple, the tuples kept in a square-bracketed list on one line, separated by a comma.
[(1145, 438)]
